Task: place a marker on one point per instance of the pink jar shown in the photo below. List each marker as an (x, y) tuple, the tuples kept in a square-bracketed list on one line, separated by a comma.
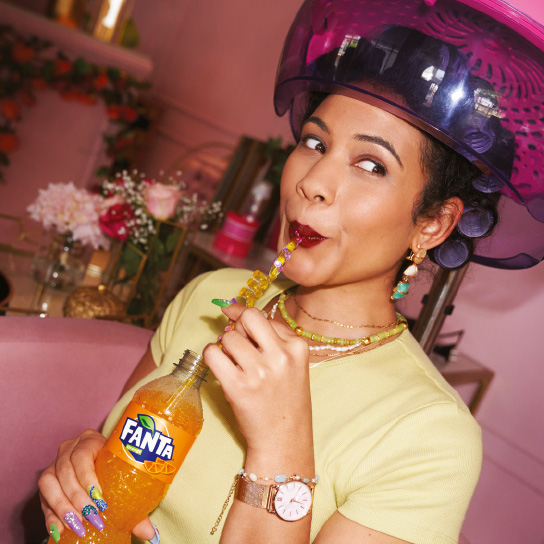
[(236, 235)]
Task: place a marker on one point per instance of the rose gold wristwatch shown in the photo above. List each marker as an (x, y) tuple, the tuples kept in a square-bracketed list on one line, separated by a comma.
[(291, 500)]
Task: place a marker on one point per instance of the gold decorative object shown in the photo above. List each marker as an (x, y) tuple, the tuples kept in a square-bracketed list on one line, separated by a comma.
[(69, 13), (111, 20), (93, 303)]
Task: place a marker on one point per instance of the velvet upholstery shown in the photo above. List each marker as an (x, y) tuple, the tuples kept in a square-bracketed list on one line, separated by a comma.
[(59, 377)]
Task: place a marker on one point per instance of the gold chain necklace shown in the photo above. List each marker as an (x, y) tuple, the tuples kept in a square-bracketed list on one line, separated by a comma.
[(299, 306)]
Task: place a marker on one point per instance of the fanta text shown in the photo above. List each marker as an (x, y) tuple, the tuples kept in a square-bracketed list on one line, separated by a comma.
[(134, 436)]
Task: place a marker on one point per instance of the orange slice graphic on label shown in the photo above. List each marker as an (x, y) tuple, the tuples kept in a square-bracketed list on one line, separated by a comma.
[(152, 467), (168, 468)]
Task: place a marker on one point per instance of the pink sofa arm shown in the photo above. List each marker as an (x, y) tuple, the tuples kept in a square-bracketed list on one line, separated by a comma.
[(59, 377)]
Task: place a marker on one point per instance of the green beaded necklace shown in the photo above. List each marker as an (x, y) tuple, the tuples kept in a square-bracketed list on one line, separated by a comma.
[(399, 326)]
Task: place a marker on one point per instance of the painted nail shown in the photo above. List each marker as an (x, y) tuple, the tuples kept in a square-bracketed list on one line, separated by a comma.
[(91, 515), (156, 539), (97, 497), (228, 328), (222, 302), (54, 532), (74, 523)]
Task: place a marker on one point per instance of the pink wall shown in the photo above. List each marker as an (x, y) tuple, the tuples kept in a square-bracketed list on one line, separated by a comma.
[(215, 64)]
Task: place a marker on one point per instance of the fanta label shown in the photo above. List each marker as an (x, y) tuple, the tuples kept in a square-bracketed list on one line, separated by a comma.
[(149, 443)]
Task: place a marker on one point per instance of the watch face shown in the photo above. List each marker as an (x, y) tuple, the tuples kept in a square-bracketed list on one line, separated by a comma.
[(293, 500)]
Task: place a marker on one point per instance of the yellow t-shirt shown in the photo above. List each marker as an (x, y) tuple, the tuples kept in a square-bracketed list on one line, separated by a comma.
[(396, 449)]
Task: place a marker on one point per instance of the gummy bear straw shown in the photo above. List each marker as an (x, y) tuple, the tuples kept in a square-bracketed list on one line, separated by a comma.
[(259, 282)]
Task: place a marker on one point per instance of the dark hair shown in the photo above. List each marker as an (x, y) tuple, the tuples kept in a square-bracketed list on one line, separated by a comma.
[(449, 175)]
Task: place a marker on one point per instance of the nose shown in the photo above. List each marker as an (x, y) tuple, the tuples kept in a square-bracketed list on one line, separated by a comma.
[(318, 183)]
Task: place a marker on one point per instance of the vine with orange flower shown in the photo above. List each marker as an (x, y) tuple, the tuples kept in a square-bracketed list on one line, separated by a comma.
[(31, 64)]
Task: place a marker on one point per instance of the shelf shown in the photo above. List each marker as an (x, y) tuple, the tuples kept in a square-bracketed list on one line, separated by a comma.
[(77, 43)]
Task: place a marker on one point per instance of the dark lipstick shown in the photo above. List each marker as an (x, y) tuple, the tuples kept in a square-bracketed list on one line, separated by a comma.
[(310, 237)]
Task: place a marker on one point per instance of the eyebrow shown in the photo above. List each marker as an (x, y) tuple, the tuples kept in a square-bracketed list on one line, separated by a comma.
[(359, 137)]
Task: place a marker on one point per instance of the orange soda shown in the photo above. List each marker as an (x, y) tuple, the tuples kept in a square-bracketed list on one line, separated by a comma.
[(136, 465), (145, 450)]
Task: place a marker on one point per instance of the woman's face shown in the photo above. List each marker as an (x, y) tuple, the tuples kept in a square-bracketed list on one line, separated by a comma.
[(349, 189)]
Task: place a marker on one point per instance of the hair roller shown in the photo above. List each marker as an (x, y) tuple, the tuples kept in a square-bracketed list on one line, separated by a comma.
[(475, 222), (452, 253)]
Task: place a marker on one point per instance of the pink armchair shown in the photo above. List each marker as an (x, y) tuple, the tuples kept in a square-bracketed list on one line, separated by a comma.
[(59, 377)]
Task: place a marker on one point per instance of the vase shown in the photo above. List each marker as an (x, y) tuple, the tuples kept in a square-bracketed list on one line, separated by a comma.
[(58, 263), (142, 275)]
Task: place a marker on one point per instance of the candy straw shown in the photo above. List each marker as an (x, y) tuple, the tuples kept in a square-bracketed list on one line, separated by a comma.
[(259, 282)]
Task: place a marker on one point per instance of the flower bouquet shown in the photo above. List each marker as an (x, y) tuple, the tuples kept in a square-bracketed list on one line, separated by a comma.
[(70, 216), (151, 218)]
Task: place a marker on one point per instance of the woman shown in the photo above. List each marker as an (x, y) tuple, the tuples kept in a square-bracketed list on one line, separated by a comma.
[(396, 451)]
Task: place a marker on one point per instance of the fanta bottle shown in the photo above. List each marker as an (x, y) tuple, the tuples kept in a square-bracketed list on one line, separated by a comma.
[(145, 450)]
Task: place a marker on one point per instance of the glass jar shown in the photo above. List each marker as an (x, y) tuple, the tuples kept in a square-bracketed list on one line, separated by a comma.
[(59, 262)]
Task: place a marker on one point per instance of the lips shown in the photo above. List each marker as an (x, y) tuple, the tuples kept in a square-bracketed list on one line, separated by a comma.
[(309, 237)]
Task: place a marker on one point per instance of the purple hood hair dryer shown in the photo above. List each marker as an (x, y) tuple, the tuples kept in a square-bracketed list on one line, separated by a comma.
[(469, 73)]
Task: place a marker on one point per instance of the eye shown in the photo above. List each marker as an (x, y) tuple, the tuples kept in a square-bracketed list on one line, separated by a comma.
[(372, 166), (311, 142)]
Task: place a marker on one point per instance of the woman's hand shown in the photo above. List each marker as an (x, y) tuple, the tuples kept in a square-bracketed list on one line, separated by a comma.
[(263, 370), (63, 486)]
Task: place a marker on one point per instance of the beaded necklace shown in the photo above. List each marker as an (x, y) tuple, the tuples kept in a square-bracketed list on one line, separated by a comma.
[(339, 344)]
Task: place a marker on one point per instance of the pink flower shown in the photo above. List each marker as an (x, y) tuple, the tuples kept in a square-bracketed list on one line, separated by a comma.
[(161, 200), (114, 220), (66, 208)]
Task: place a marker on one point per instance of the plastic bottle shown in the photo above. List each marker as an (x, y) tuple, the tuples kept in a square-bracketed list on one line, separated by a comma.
[(145, 450), (257, 201)]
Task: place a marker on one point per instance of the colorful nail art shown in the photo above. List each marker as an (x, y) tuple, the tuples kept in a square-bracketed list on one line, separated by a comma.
[(156, 539), (97, 497), (74, 523), (223, 302), (54, 532), (91, 515)]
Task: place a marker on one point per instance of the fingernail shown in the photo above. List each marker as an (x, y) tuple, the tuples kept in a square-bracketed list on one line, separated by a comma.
[(228, 328), (74, 523), (156, 539), (223, 302), (91, 515), (97, 497), (54, 532)]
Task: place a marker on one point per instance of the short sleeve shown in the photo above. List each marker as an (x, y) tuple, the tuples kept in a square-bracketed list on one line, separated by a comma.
[(417, 481)]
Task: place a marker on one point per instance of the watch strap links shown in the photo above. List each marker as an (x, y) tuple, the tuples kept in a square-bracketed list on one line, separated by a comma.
[(261, 496)]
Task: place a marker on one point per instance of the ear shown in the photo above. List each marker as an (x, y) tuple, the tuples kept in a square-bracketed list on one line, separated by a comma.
[(434, 230)]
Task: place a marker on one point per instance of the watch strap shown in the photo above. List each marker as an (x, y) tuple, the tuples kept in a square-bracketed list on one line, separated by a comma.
[(255, 494)]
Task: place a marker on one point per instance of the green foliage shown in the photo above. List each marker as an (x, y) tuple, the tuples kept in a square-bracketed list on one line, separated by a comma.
[(278, 155), (30, 64), (159, 258)]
